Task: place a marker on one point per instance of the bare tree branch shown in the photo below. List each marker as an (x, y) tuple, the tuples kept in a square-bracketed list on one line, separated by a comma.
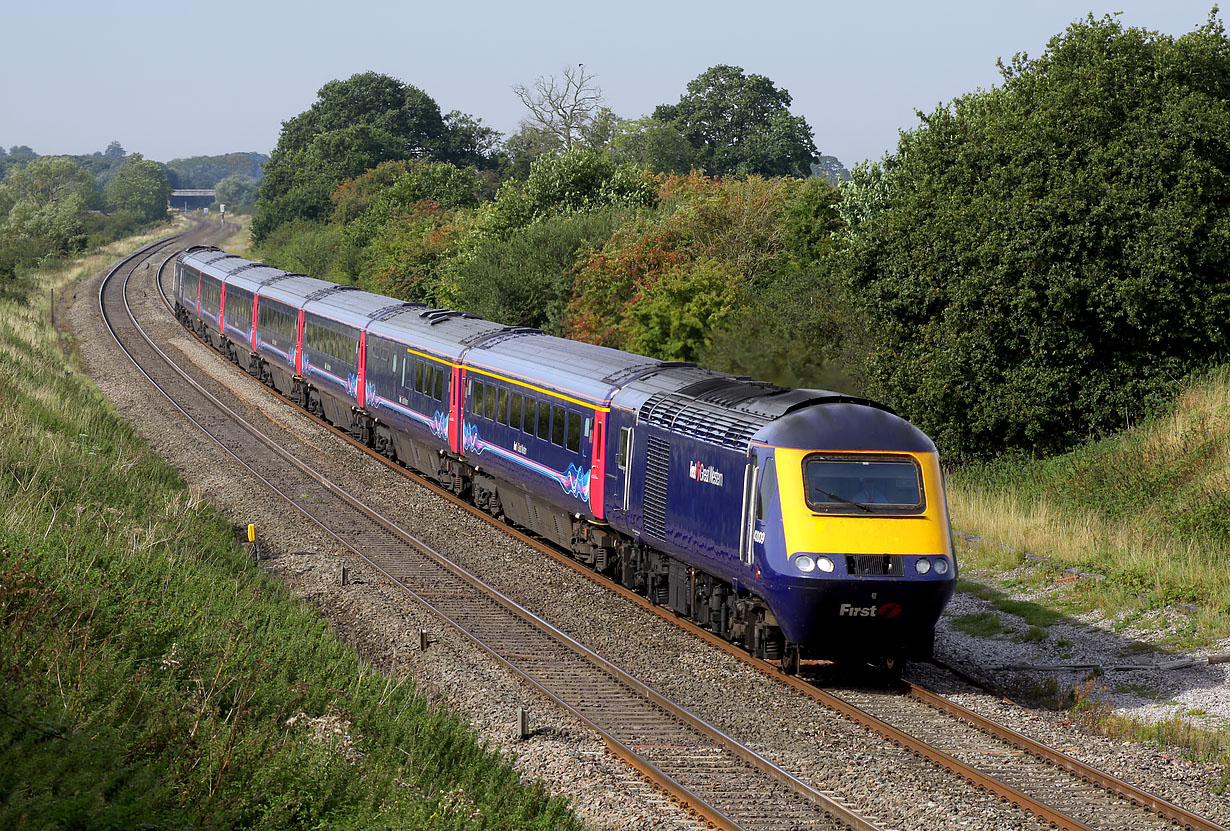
[(563, 107)]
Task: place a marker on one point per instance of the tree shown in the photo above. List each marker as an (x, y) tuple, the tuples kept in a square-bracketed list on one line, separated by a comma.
[(234, 191), (401, 110), (49, 179), (526, 146), (741, 124), (114, 150), (298, 183), (353, 126), (208, 171), (140, 187), (564, 108), (1045, 261), (468, 142), (647, 142)]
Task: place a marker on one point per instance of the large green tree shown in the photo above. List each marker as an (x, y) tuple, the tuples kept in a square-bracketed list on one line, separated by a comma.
[(741, 124), (354, 125), (1043, 261), (139, 187)]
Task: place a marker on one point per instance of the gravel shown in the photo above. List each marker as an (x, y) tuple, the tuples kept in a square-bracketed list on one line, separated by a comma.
[(887, 784)]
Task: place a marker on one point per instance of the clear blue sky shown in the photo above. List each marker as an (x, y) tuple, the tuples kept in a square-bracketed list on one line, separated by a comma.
[(218, 76)]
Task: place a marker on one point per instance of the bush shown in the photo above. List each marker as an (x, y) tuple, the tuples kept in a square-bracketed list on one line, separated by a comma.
[(526, 279), (1045, 261)]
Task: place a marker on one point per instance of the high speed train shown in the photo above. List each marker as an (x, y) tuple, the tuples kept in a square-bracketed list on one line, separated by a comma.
[(799, 523)]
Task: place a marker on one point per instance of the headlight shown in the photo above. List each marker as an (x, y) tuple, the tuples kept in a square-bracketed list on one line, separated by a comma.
[(825, 564), (804, 563), (941, 566), (922, 565)]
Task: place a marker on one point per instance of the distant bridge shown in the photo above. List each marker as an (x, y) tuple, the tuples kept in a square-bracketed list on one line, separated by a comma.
[(186, 199)]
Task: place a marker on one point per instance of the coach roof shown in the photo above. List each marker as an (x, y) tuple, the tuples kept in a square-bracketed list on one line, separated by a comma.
[(582, 370)]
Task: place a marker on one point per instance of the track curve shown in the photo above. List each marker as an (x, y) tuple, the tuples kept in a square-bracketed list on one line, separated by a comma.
[(722, 780)]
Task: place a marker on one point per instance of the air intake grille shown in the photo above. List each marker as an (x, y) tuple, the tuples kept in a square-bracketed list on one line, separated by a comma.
[(657, 466), (874, 565)]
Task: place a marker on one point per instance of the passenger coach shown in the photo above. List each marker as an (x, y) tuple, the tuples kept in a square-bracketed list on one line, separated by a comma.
[(799, 523)]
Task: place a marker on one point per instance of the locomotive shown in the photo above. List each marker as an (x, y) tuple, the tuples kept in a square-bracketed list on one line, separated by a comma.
[(798, 523)]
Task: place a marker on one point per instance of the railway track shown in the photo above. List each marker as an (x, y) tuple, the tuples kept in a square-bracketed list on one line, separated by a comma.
[(1041, 781), (722, 780)]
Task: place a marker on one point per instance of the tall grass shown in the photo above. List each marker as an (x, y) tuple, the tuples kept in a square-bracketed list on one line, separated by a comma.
[(151, 676), (1149, 509)]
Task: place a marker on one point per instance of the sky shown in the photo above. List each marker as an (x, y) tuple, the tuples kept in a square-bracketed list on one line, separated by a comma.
[(172, 80)]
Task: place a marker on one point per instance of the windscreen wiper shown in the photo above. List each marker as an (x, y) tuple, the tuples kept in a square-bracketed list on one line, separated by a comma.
[(843, 499)]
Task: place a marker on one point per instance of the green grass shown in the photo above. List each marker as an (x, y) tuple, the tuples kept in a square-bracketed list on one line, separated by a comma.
[(152, 677), (1147, 511), (980, 624)]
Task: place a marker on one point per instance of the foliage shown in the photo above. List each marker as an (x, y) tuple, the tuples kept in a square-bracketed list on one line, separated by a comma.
[(526, 278), (373, 100), (442, 185), (237, 192), (153, 676), (831, 170), (580, 180), (647, 142), (303, 247), (298, 184), (208, 171), (1044, 261), (353, 126), (405, 254), (674, 314), (139, 187), (737, 223), (584, 178), (741, 124), (468, 142), (43, 204), (48, 179), (794, 329), (525, 147)]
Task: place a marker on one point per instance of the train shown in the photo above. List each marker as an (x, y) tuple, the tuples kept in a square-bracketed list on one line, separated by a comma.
[(801, 524)]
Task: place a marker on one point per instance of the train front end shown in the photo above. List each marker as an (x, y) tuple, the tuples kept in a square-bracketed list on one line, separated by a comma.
[(853, 533)]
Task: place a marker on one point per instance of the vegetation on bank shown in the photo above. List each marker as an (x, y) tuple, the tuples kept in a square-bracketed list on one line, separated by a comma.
[(1148, 509), (152, 676)]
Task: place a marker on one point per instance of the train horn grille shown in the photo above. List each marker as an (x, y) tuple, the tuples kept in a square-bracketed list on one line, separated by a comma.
[(874, 565)]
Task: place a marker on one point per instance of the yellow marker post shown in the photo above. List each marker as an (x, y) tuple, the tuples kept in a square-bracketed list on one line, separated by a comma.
[(251, 533)]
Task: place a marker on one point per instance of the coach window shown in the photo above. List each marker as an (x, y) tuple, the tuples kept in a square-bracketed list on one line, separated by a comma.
[(442, 382), (489, 402), (418, 376), (544, 421), (514, 410), (574, 432), (501, 414), (557, 426)]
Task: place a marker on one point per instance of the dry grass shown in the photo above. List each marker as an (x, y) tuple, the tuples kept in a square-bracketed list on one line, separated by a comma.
[(1149, 509)]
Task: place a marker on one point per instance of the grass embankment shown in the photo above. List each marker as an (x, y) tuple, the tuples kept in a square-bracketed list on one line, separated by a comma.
[(1147, 512), (1149, 509), (151, 676)]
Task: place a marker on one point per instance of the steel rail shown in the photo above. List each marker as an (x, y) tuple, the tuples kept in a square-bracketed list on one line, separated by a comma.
[(711, 814), (1141, 797), (945, 761)]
